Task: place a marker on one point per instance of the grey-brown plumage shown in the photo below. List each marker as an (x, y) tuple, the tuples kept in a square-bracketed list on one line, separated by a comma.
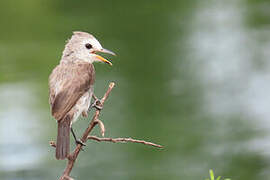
[(71, 85), (72, 81)]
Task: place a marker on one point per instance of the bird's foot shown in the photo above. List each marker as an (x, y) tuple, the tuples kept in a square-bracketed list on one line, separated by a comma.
[(97, 104), (78, 141)]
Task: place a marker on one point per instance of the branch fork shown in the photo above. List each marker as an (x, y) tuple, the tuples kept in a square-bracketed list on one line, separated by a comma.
[(95, 121)]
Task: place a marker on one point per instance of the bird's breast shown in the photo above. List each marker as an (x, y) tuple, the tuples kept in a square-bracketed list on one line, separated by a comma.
[(82, 104)]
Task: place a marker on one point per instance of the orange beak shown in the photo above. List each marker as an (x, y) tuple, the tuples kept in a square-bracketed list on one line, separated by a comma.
[(102, 58)]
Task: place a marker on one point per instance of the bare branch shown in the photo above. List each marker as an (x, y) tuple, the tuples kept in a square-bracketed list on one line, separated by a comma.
[(124, 140), (95, 120), (73, 156), (66, 178), (102, 127)]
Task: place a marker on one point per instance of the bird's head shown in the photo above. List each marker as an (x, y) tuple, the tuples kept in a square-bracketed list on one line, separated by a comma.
[(83, 46)]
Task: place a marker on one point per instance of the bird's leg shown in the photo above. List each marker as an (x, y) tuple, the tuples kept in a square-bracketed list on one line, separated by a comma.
[(97, 104), (78, 141)]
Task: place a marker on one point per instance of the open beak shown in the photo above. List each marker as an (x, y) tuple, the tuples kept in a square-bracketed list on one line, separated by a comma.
[(107, 51), (102, 58)]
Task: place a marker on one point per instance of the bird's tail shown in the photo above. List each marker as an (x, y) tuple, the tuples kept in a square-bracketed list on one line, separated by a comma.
[(63, 133)]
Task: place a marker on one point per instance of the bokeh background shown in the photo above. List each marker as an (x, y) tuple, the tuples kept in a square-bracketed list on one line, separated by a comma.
[(191, 75)]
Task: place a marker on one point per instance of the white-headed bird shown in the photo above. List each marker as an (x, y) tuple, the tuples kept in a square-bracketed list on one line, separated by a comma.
[(71, 85)]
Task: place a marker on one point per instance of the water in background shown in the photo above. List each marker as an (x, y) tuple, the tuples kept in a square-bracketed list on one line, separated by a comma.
[(191, 75)]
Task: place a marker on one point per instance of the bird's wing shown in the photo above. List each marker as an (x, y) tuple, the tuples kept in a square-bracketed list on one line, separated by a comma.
[(68, 82)]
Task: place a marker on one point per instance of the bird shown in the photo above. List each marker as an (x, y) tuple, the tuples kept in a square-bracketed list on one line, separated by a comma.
[(71, 86)]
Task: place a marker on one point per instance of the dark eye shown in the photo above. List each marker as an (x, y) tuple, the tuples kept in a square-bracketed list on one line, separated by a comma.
[(88, 46)]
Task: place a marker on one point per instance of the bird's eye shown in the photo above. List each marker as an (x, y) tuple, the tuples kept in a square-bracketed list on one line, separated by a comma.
[(88, 46)]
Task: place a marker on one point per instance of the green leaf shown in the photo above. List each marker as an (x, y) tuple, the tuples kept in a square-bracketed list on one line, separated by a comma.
[(218, 178), (211, 174)]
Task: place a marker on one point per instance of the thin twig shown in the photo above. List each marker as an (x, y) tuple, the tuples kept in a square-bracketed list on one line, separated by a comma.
[(102, 127), (123, 140), (73, 156)]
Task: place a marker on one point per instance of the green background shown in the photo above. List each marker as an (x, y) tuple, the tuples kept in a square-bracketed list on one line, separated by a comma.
[(190, 75)]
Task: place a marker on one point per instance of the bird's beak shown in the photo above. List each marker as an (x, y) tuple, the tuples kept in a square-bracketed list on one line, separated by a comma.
[(107, 51), (102, 58)]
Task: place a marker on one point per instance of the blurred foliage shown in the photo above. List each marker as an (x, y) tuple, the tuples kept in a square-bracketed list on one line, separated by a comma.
[(212, 176)]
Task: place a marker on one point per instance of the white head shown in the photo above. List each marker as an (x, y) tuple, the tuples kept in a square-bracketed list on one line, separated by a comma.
[(83, 46)]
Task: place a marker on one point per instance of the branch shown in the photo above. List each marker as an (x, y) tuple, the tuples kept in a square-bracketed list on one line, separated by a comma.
[(124, 140), (95, 121), (73, 156)]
